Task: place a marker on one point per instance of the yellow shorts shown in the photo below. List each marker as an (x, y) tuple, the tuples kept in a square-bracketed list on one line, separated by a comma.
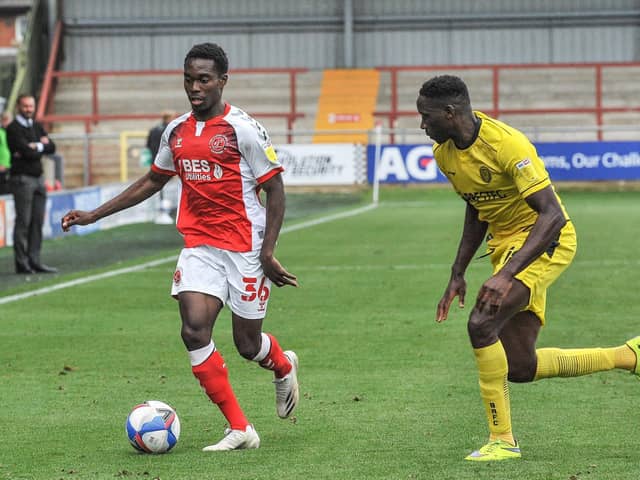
[(543, 271)]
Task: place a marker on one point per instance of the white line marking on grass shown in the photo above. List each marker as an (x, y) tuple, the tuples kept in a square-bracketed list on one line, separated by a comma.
[(153, 263), (80, 281), (329, 218)]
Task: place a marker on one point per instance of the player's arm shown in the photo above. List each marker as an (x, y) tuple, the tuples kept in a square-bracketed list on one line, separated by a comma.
[(140, 190), (544, 232), (473, 233), (275, 204)]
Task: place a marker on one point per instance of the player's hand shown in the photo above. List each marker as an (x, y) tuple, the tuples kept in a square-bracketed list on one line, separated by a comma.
[(276, 272), (457, 288), (493, 292), (76, 217)]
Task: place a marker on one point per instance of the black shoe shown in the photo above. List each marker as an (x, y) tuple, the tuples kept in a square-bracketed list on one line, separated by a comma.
[(42, 268), (25, 270)]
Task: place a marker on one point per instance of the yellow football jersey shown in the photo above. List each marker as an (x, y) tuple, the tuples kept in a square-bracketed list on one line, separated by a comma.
[(495, 174)]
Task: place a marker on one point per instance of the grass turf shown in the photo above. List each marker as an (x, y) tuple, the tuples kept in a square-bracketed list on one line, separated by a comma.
[(386, 392)]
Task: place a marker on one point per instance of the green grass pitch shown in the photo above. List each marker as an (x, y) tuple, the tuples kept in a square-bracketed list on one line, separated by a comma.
[(386, 393)]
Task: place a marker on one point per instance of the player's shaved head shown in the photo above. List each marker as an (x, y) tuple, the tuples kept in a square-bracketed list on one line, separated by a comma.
[(209, 51)]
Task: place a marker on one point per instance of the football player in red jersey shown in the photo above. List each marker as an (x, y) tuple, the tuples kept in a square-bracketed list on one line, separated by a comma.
[(223, 158)]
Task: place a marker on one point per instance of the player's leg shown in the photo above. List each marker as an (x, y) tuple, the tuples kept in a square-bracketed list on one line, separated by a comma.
[(198, 312), (491, 358), (200, 284), (249, 292), (254, 344), (519, 336), (558, 362)]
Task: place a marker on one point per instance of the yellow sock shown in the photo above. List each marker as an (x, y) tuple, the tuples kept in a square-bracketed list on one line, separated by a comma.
[(494, 390), (557, 362)]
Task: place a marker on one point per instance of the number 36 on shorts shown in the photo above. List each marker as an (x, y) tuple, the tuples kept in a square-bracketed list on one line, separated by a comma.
[(251, 292)]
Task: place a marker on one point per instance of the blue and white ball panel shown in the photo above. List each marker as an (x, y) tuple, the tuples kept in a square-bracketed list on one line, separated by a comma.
[(153, 427)]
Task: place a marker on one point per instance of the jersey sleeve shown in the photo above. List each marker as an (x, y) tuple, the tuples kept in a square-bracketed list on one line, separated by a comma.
[(163, 163), (524, 166), (255, 146)]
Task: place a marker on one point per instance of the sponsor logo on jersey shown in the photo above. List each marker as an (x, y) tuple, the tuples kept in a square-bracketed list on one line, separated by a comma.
[(477, 197), (270, 152), (526, 170), (197, 170), (218, 143)]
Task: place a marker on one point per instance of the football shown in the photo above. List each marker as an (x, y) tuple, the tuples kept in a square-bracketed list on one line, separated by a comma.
[(153, 427)]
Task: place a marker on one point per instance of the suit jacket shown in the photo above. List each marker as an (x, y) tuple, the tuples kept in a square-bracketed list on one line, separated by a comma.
[(153, 139), (24, 159)]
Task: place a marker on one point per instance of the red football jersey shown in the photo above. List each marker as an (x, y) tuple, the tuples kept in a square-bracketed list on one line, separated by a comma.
[(221, 164)]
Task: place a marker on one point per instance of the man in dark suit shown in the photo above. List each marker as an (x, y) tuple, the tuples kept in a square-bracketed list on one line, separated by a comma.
[(155, 134), (28, 142)]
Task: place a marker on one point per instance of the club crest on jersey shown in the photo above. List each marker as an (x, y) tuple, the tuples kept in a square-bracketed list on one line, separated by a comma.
[(177, 276), (485, 174), (178, 142), (218, 143)]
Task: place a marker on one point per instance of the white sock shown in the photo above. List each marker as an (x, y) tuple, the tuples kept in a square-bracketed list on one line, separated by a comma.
[(264, 348), (201, 354)]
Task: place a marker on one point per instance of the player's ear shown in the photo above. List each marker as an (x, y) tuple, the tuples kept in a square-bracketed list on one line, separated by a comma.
[(224, 78), (450, 110)]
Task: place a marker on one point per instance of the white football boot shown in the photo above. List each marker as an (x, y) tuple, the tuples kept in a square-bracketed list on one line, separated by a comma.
[(236, 440), (287, 391)]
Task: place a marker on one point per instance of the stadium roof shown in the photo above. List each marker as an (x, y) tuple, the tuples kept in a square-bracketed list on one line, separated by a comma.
[(15, 6)]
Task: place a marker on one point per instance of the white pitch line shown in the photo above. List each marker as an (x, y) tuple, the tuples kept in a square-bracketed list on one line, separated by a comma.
[(80, 281), (153, 263), (329, 218)]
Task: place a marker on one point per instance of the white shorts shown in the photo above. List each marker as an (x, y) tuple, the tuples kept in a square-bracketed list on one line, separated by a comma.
[(233, 277)]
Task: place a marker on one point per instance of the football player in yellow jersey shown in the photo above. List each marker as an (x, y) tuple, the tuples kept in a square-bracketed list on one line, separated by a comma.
[(531, 240)]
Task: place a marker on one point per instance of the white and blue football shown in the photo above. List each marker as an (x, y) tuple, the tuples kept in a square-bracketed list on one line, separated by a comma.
[(153, 427)]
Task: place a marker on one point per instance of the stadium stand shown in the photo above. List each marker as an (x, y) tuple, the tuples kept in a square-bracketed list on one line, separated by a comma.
[(279, 108), (569, 104), (89, 99), (570, 110)]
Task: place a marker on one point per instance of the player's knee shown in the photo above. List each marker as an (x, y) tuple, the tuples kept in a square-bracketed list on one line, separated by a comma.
[(193, 337), (522, 371), (480, 329), (247, 347)]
